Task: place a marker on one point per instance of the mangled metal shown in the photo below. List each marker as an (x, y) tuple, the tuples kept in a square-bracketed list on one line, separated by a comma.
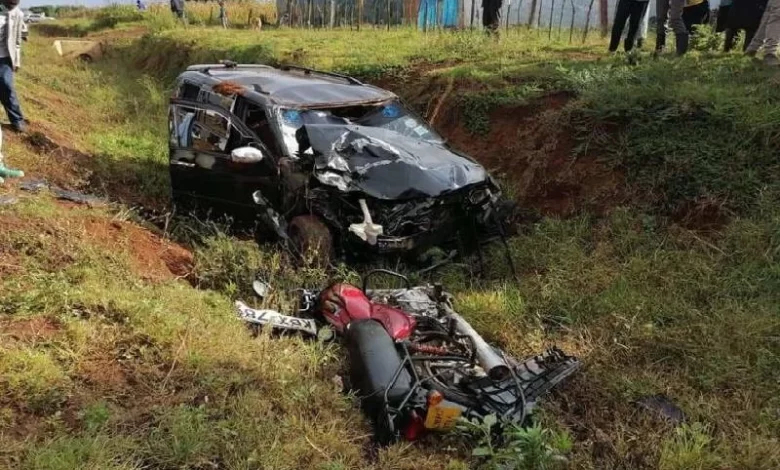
[(415, 364), (333, 159)]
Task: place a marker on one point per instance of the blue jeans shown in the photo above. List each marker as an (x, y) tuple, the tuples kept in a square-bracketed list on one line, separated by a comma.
[(8, 93)]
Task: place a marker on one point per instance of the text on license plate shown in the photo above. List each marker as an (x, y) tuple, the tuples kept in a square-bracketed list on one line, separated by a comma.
[(442, 417), (275, 319)]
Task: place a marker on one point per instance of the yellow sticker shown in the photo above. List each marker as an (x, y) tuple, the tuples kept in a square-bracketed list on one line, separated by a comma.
[(442, 417)]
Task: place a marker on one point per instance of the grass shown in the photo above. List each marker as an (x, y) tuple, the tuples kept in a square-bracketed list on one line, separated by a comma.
[(106, 366)]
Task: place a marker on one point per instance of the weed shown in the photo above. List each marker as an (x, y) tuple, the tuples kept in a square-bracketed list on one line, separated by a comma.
[(689, 448), (516, 447), (32, 378)]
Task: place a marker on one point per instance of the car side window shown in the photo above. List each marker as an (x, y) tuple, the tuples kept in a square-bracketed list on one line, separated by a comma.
[(257, 120), (205, 130)]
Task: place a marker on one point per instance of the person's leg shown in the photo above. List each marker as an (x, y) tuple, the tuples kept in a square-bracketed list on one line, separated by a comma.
[(635, 17), (750, 33), (772, 32), (661, 16), (622, 11), (758, 39), (676, 8), (6, 172), (8, 94), (643, 26), (731, 36)]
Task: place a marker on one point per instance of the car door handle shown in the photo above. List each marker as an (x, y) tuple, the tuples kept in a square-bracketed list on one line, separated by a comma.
[(181, 163)]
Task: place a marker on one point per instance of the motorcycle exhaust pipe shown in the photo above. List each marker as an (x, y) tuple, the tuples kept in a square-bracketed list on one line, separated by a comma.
[(487, 357)]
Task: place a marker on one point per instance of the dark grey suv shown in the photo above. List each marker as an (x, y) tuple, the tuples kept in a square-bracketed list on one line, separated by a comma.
[(323, 161)]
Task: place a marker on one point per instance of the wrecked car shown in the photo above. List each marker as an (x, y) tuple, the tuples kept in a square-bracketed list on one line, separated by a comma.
[(415, 364), (324, 162)]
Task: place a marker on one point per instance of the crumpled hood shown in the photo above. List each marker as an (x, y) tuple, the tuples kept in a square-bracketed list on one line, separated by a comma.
[(385, 164)]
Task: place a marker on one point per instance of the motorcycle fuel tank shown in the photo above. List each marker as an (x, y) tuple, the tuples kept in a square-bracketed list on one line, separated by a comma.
[(342, 304)]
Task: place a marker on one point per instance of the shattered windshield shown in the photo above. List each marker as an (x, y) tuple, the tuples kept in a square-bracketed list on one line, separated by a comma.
[(391, 116)]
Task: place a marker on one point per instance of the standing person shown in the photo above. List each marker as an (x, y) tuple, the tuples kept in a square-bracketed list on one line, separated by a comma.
[(643, 27), (631, 11), (768, 35), (745, 15), (223, 14), (723, 14), (177, 7), (673, 10), (12, 32), (696, 12), (491, 16)]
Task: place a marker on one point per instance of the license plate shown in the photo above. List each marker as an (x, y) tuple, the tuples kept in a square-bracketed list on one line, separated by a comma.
[(442, 417), (275, 319), (392, 244)]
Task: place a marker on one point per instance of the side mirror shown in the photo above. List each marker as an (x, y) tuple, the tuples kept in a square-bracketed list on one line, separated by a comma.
[(246, 155)]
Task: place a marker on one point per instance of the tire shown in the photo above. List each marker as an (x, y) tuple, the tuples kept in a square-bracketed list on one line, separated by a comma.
[(311, 239)]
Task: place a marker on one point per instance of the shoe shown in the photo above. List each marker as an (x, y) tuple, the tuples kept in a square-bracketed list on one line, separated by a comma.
[(750, 53), (9, 173), (640, 43), (20, 126), (771, 60), (681, 42)]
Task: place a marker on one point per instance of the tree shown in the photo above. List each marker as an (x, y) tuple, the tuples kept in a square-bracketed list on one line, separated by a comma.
[(532, 14), (587, 22), (604, 17)]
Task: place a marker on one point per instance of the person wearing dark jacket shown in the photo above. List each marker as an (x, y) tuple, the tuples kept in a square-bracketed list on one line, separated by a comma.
[(491, 15), (631, 11), (745, 15)]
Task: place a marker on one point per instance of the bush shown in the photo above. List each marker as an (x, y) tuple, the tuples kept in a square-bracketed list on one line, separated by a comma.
[(112, 15)]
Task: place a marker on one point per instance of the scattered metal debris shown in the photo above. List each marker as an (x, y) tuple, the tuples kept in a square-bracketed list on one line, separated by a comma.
[(77, 197), (38, 185), (663, 407), (34, 186), (87, 51), (415, 363), (8, 200)]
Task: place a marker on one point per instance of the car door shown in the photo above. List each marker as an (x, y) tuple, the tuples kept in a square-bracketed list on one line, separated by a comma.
[(202, 138)]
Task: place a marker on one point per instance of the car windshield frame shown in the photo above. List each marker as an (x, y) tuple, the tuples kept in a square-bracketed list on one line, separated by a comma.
[(392, 114)]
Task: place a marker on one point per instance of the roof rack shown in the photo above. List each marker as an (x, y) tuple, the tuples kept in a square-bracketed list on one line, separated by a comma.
[(225, 64), (307, 71)]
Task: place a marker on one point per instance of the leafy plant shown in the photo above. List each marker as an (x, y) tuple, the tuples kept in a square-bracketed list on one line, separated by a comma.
[(514, 447)]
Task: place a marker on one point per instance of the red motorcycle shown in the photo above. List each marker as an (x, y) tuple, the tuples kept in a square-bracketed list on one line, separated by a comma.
[(416, 364)]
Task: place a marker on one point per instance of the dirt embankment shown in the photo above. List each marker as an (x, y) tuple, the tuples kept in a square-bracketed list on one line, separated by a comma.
[(529, 147)]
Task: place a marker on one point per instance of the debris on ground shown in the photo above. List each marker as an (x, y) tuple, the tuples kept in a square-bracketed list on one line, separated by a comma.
[(663, 407), (87, 51), (34, 186), (79, 198), (415, 363), (8, 200), (38, 185)]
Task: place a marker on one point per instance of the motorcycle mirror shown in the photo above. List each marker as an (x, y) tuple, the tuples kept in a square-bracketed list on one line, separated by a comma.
[(261, 288)]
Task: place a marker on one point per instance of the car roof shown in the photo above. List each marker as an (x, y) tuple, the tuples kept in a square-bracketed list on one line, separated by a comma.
[(294, 86)]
